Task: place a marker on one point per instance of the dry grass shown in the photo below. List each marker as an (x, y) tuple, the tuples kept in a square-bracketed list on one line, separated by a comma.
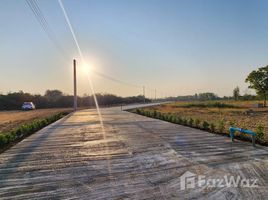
[(240, 116), (13, 119)]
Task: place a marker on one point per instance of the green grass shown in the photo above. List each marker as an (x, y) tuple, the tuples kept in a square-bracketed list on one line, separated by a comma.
[(17, 134)]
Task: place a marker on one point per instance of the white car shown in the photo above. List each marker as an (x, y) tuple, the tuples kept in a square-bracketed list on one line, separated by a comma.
[(28, 106)]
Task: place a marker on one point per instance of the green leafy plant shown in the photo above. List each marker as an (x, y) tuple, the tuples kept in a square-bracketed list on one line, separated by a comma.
[(179, 120), (170, 117), (197, 122), (212, 127), (158, 115), (260, 132), (190, 122), (205, 125), (184, 121), (3, 140), (221, 126), (154, 113)]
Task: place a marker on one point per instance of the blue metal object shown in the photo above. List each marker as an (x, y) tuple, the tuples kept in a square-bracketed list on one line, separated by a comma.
[(233, 130)]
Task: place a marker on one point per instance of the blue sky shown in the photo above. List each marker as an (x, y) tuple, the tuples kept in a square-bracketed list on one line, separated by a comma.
[(176, 46)]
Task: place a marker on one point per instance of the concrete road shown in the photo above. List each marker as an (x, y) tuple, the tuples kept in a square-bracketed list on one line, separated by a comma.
[(135, 158)]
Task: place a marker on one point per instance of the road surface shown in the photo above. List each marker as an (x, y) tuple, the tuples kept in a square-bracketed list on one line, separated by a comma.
[(135, 158)]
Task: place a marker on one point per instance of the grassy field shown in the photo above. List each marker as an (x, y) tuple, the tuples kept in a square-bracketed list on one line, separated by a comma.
[(219, 115), (13, 119)]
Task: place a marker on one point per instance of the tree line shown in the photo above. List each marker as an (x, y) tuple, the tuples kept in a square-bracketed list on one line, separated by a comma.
[(57, 99)]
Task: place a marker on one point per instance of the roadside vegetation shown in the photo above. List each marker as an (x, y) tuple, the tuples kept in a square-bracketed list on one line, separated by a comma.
[(12, 136), (214, 117)]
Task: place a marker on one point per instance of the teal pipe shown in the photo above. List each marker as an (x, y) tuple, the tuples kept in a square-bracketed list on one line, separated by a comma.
[(233, 130)]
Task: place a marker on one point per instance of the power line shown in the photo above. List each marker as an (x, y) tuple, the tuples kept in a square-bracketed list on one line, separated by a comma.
[(40, 17), (33, 5), (81, 54), (115, 80)]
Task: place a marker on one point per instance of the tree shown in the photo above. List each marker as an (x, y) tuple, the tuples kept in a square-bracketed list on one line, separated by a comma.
[(207, 96), (236, 93), (258, 80)]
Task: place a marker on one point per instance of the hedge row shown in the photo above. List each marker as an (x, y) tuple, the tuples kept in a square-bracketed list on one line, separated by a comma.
[(17, 134), (218, 127)]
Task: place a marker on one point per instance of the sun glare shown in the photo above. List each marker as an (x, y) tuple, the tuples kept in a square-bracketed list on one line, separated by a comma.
[(86, 68)]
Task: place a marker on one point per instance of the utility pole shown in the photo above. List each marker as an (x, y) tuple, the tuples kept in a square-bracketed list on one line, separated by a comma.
[(143, 94), (155, 94), (75, 89)]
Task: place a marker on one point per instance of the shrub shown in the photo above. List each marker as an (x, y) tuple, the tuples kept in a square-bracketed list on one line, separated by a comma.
[(190, 122), (221, 126), (208, 105), (170, 118), (3, 140), (205, 125), (154, 113), (260, 132), (166, 117), (196, 122), (9, 137), (212, 127), (178, 120), (138, 111), (174, 119), (142, 112), (184, 121)]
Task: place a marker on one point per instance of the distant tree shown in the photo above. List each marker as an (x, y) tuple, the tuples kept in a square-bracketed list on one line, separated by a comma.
[(207, 96), (53, 93), (56, 99), (258, 80), (236, 93), (248, 97)]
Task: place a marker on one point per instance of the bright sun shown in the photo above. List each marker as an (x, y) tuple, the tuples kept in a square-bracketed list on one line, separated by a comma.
[(86, 68)]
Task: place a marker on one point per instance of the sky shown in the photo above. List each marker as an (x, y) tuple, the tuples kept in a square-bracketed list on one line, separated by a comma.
[(177, 47)]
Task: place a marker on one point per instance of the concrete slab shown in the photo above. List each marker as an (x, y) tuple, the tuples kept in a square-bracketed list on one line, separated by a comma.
[(136, 158)]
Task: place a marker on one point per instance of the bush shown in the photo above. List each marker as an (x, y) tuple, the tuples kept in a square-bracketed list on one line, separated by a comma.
[(178, 120), (221, 126), (166, 117), (170, 118), (208, 105), (212, 127), (205, 125), (184, 121), (3, 140), (174, 119), (154, 113), (190, 122), (260, 132), (197, 122), (158, 115)]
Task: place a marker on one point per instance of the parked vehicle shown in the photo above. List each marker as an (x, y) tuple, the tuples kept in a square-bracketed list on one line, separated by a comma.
[(28, 106)]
